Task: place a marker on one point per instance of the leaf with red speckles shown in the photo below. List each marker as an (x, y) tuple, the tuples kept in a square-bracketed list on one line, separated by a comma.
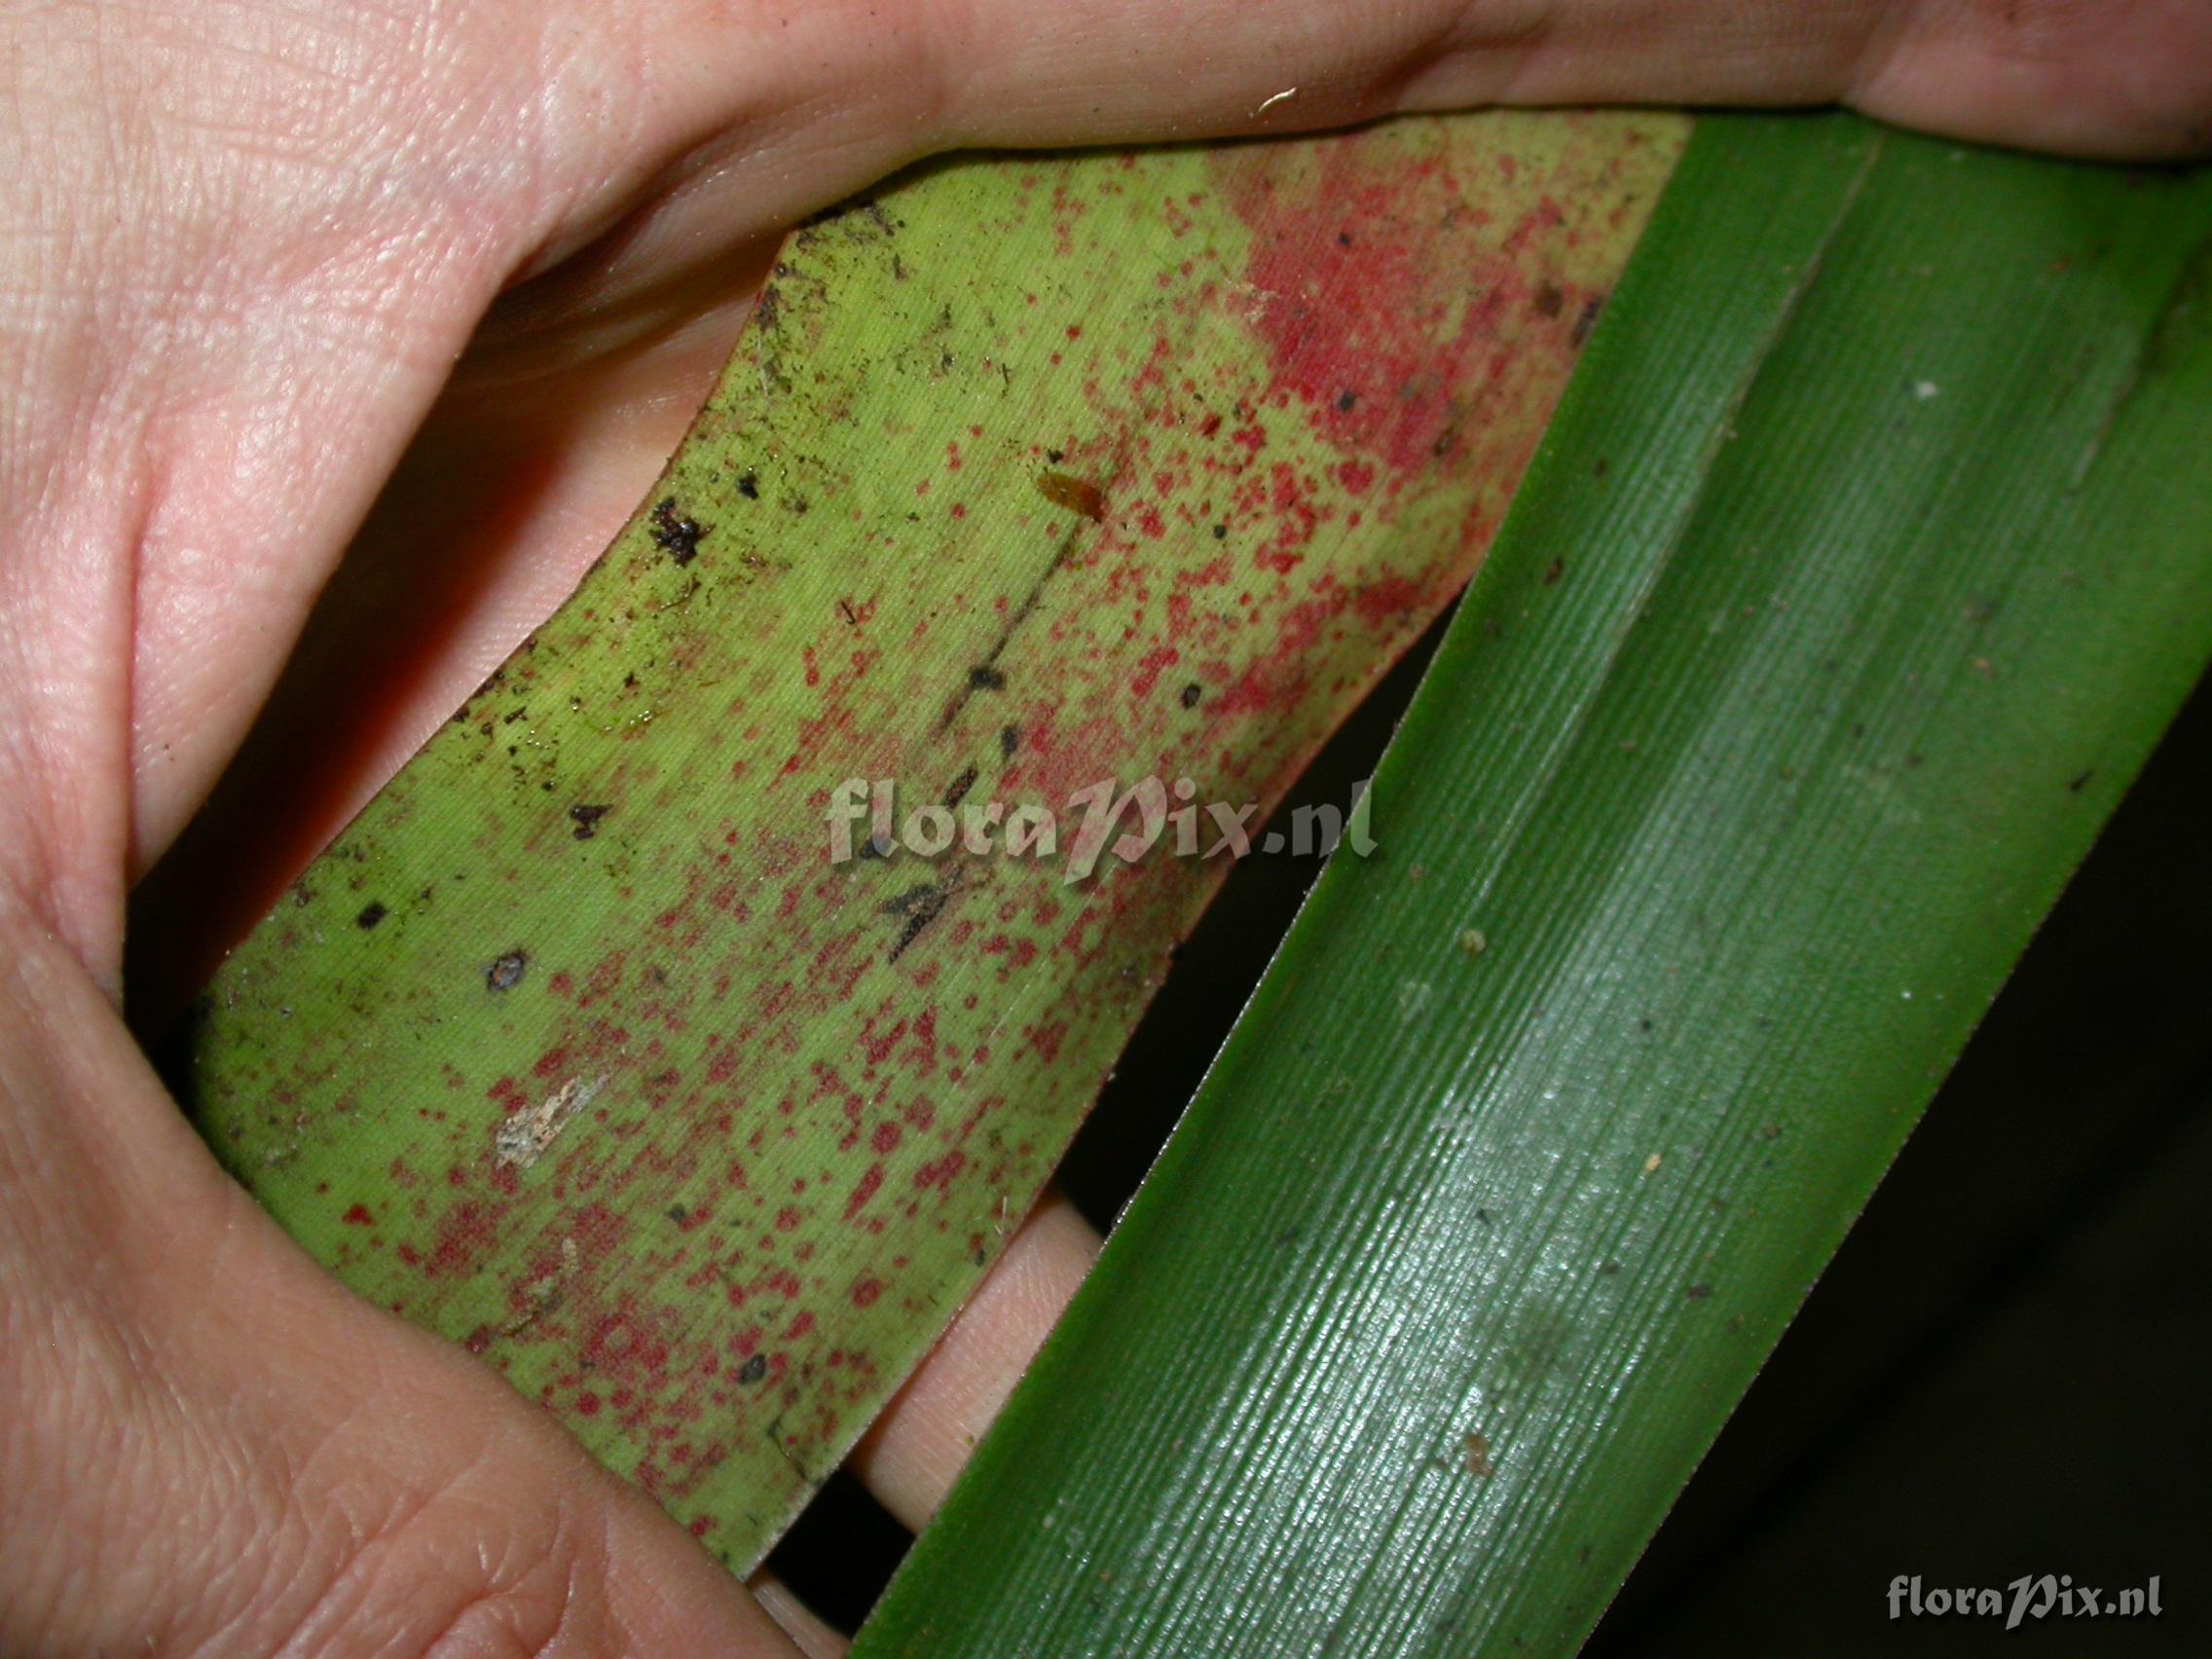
[(1029, 474)]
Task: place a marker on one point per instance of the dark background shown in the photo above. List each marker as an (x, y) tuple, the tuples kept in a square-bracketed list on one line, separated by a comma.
[(2003, 1373)]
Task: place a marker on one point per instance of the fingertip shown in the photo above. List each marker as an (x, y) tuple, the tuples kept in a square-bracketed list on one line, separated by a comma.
[(2119, 80), (911, 1455), (809, 1635)]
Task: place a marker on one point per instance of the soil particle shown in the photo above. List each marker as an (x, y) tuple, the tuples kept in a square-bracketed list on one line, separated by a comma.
[(674, 535), (1479, 1464), (371, 913), (586, 820)]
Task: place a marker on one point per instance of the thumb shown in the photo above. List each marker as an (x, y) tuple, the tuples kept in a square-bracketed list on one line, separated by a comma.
[(213, 1450)]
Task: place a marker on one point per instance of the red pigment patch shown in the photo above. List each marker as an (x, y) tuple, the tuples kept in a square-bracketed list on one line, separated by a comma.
[(941, 1172), (624, 1343), (1388, 599), (466, 1235), (863, 1190), (1357, 311), (1150, 668)]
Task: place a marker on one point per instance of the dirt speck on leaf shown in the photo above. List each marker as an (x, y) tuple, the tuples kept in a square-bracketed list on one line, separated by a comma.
[(1077, 494), (917, 908), (522, 1138), (676, 534)]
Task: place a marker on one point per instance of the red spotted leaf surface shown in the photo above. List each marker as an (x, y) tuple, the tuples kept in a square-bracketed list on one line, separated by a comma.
[(611, 1044)]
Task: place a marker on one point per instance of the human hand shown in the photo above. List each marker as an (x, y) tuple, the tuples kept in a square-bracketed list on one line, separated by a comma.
[(443, 284)]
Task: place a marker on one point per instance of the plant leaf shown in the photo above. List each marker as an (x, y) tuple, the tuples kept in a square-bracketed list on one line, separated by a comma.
[(1867, 559), (1028, 473)]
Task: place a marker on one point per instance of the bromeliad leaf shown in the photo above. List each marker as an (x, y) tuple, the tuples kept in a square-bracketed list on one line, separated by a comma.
[(1029, 474)]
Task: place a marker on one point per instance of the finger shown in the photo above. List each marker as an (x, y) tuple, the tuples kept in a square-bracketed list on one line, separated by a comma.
[(2100, 77), (911, 1455), (211, 1449), (808, 1633), (2082, 77), (2111, 77)]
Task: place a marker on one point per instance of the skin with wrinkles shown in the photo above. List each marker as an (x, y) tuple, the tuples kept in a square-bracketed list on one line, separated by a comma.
[(243, 250)]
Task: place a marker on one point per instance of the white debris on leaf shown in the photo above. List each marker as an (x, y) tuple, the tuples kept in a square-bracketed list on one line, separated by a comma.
[(522, 1138)]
